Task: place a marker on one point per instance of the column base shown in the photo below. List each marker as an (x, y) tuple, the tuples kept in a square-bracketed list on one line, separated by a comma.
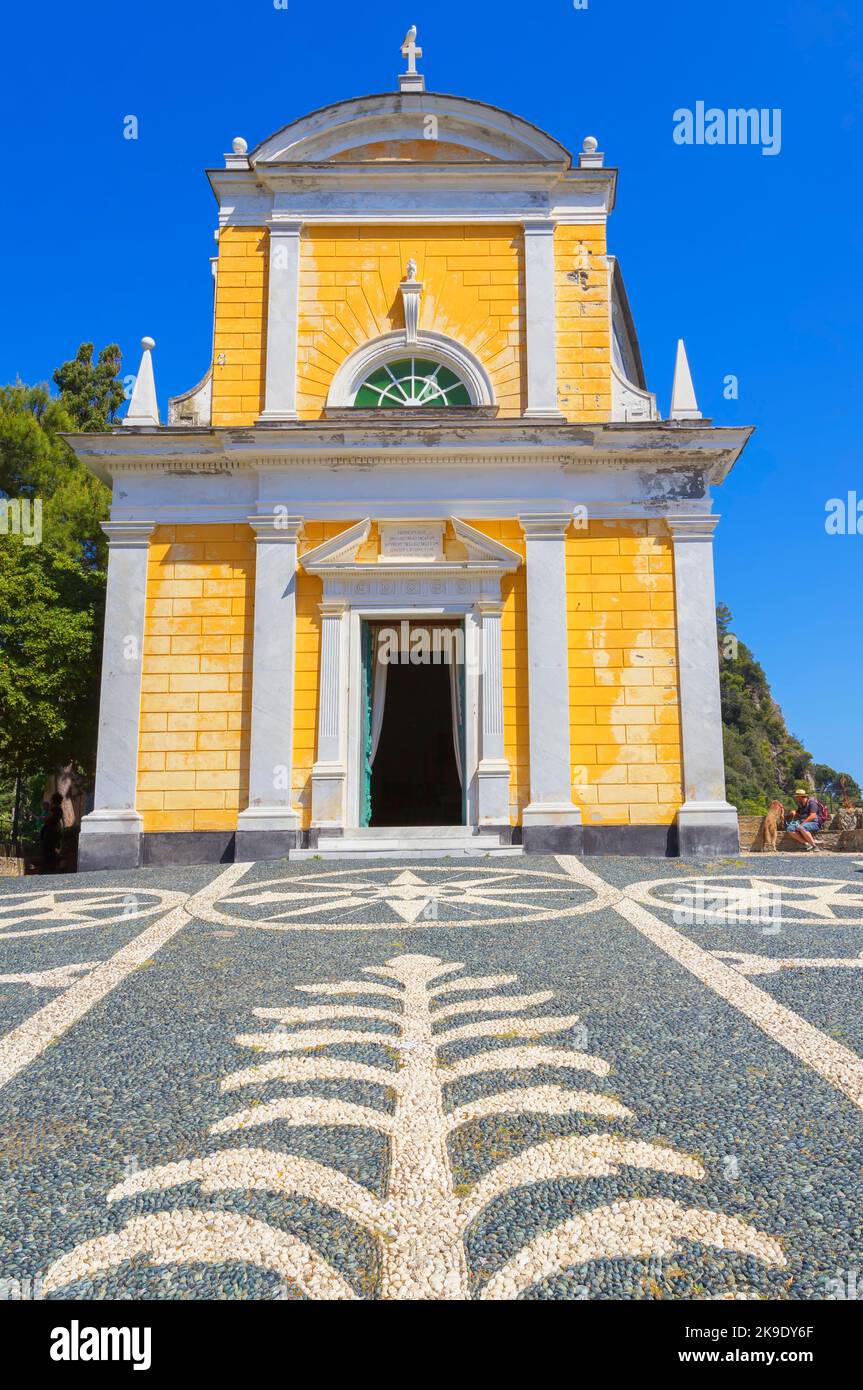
[(493, 792), (277, 417), (552, 827), (538, 412), (707, 828), (266, 832), (329, 781), (110, 840)]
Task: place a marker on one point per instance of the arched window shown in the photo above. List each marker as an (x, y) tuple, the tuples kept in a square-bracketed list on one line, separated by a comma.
[(411, 381)]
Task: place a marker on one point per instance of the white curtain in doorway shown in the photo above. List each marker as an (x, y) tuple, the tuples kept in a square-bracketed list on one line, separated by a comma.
[(379, 699), (455, 700)]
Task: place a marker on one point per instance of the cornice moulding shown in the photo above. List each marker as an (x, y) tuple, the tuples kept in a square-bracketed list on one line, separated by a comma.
[(488, 444)]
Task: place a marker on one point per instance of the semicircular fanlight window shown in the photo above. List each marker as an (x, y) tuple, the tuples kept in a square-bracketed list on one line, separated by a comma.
[(412, 381)]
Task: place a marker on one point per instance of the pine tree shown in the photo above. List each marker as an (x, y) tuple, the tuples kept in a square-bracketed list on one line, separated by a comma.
[(92, 394)]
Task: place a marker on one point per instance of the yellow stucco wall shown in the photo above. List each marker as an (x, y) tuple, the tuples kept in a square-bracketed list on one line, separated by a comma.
[(625, 721), (196, 686), (240, 333), (625, 735), (404, 151), (583, 323), (473, 278)]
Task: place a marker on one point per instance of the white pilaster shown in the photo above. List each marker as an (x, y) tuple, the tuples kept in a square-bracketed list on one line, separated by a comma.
[(541, 328), (551, 803), (111, 834), (707, 824), (270, 812), (280, 401), (493, 772), (329, 774)]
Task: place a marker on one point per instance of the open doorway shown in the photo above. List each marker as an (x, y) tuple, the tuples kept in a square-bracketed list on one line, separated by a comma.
[(415, 728)]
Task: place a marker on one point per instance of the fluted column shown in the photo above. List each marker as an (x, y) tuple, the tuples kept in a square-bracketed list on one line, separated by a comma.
[(493, 771), (111, 834), (706, 823), (268, 828), (329, 774)]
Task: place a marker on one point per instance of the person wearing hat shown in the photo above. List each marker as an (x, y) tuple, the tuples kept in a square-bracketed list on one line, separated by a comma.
[(805, 819)]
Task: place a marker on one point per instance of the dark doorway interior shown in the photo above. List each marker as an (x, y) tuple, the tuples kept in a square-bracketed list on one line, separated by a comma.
[(415, 778)]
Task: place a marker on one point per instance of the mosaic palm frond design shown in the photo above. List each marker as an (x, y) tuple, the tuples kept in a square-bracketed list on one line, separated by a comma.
[(422, 1221)]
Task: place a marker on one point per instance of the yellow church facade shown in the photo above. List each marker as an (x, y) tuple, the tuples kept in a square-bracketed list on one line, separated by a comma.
[(417, 565)]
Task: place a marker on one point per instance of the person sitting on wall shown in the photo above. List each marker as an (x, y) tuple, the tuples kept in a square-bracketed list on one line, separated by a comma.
[(50, 834), (804, 821)]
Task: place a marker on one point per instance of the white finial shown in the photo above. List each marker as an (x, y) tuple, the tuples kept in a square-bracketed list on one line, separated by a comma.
[(412, 269), (684, 406), (144, 407), (591, 156), (239, 145), (411, 81)]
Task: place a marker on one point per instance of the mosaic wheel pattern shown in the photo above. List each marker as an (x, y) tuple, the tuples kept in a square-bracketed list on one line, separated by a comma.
[(42, 913), (366, 900), (753, 898)]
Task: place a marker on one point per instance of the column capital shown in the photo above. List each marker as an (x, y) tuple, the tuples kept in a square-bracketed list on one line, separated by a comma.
[(332, 607), (539, 227), (274, 526), (692, 528), (545, 525), (281, 225), (489, 607), (129, 534)]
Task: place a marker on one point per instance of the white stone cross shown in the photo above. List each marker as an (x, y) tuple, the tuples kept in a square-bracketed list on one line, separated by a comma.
[(410, 50)]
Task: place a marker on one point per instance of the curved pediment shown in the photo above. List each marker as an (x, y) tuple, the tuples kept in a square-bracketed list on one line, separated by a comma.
[(409, 127)]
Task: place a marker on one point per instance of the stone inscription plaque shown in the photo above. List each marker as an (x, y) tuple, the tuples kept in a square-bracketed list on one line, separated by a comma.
[(411, 540)]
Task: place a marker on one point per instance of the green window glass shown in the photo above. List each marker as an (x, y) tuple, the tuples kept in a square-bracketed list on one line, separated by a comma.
[(412, 381)]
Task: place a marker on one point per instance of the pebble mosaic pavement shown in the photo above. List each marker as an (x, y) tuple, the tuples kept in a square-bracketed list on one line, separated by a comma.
[(542, 1078)]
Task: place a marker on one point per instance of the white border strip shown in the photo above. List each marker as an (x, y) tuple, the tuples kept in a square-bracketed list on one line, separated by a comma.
[(30, 1038)]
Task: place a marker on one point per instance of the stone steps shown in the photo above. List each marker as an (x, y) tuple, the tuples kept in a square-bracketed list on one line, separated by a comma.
[(407, 842)]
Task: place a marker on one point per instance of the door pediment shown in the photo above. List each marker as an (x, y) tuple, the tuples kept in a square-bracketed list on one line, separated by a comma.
[(340, 554)]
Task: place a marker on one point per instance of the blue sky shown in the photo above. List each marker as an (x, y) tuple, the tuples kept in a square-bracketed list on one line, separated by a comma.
[(753, 259)]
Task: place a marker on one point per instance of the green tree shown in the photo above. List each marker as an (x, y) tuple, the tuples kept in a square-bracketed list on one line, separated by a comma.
[(37, 465), (52, 581), (90, 391), (48, 643)]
